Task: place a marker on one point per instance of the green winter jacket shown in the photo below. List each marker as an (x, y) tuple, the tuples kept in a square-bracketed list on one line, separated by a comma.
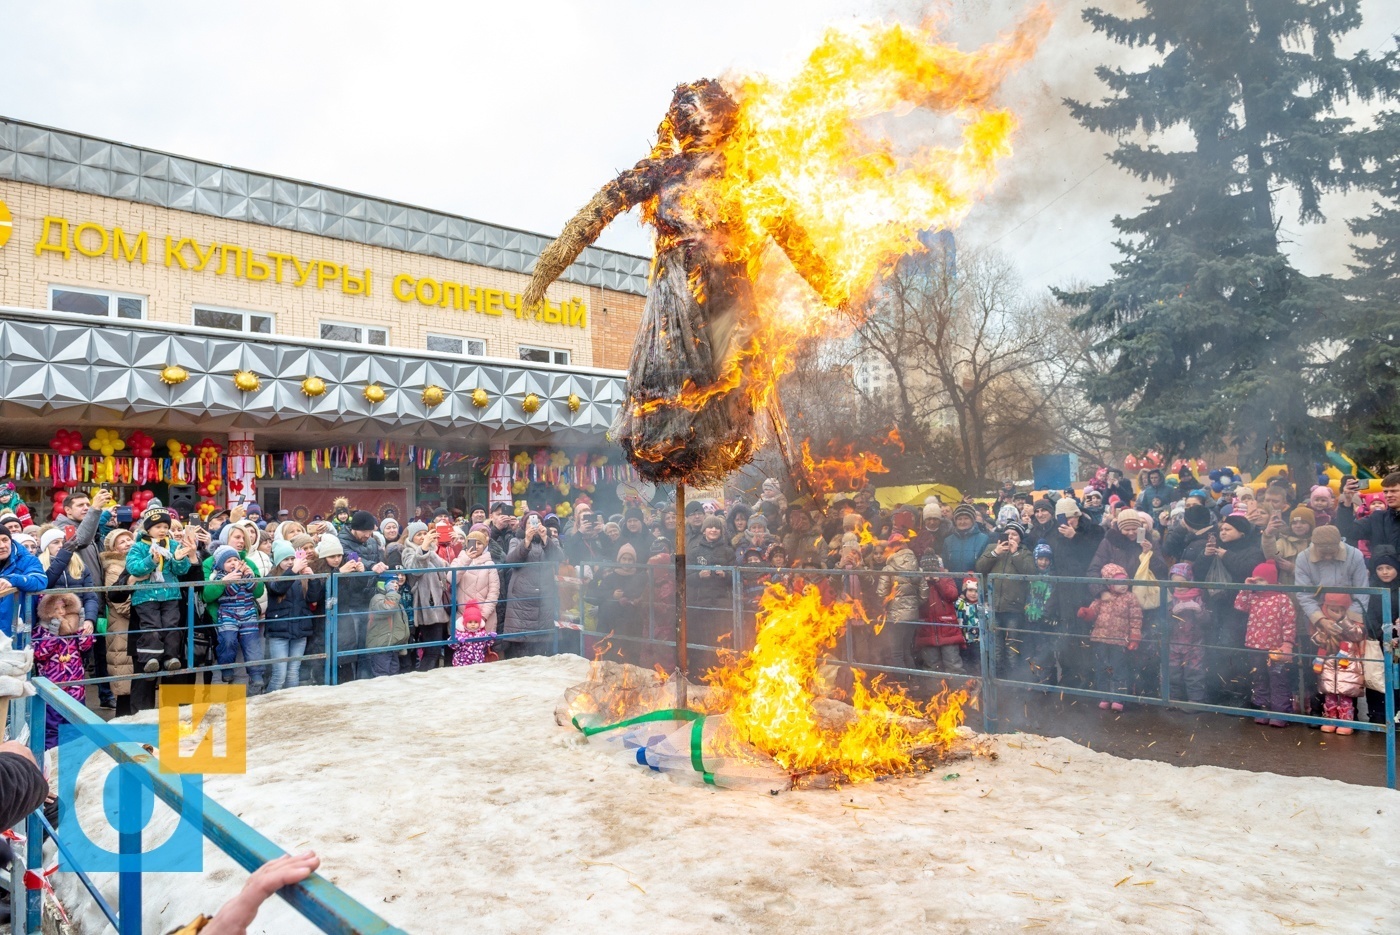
[(213, 591), (141, 565), (1008, 597)]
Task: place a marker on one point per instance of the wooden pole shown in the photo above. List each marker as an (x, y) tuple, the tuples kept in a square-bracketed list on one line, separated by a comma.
[(682, 655)]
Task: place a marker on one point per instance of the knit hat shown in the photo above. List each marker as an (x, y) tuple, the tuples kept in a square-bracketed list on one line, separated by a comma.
[(478, 533), (328, 546), (1043, 550), (109, 541), (1113, 571), (1303, 512), (1044, 504), (969, 584), (965, 509), (8, 517), (933, 509), (1388, 558), (1007, 514), (1130, 521), (389, 521), (1181, 570), (281, 551), (1327, 538), (771, 483), (713, 522), (758, 520), (304, 542), (411, 530), (1319, 489), (1197, 516), (1335, 599), (222, 554), (1240, 523), (627, 550), (610, 528), (475, 507), (693, 507), (1092, 492), (1266, 570), (53, 535), (155, 517), (1067, 508), (384, 579), (24, 538), (362, 521), (659, 546)]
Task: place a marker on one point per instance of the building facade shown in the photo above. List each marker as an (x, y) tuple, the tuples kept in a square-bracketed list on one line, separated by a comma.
[(192, 301)]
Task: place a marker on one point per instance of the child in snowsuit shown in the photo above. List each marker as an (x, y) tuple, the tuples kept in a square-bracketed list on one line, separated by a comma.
[(1042, 644), (236, 618), (155, 558), (1186, 659), (388, 625), (1117, 618), (60, 639), (1272, 627), (1338, 635), (969, 610)]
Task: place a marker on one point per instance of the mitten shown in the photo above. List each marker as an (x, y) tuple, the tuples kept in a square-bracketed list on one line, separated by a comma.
[(1132, 646)]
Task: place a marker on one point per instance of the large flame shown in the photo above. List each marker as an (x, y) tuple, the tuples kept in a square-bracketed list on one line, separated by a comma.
[(804, 172), (771, 693)]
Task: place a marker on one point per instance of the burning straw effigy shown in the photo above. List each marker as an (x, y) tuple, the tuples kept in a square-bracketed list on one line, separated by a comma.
[(775, 209)]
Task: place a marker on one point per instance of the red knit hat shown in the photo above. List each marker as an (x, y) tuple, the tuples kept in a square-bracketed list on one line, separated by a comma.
[(1334, 599), (1268, 571)]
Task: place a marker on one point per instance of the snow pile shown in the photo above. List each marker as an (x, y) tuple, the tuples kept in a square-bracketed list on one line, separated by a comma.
[(451, 800)]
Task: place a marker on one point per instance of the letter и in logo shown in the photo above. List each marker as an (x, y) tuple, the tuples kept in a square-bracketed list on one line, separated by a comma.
[(203, 729)]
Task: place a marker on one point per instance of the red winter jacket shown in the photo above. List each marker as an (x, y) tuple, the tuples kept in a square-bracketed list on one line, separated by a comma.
[(941, 609), (1117, 619), (1273, 620)]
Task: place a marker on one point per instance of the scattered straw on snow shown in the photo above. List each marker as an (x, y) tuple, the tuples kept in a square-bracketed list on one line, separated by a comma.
[(451, 801)]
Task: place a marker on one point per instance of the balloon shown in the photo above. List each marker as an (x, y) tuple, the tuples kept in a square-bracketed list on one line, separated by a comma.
[(178, 449), (106, 441), (67, 442), (141, 444)]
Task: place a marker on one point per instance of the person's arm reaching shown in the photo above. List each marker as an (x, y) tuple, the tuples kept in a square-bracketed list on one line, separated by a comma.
[(22, 786)]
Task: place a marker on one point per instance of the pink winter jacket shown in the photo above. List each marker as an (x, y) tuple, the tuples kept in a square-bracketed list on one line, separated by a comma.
[(478, 581)]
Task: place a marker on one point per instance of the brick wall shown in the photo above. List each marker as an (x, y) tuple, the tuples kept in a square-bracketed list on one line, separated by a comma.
[(172, 292)]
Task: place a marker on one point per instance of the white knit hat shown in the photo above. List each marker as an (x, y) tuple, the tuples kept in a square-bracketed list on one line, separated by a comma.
[(329, 545), (933, 509), (53, 535)]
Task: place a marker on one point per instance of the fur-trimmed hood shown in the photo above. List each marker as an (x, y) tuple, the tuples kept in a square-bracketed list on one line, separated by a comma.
[(65, 605)]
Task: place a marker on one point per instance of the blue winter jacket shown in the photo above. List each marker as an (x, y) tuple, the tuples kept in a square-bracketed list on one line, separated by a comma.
[(962, 549), (26, 575)]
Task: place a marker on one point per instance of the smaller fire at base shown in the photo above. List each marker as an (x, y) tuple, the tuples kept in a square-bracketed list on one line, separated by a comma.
[(766, 718)]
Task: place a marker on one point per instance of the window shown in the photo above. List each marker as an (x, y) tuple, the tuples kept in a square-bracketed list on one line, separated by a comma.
[(543, 355), (233, 319), (455, 344), (354, 334), (99, 304)]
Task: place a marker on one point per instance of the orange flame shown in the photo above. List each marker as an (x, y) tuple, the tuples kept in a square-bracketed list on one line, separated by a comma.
[(804, 174), (770, 697)]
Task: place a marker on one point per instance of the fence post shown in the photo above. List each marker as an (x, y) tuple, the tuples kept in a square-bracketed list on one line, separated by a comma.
[(582, 612), (987, 650), (1388, 667), (189, 629), (129, 847), (1165, 632), (736, 593), (332, 628), (33, 830)]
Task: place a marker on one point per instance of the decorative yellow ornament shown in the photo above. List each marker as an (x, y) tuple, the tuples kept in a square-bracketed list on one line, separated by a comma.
[(433, 395), (531, 403), (247, 381), (574, 402), (374, 393), (519, 487), (173, 374), (313, 386), (479, 398)]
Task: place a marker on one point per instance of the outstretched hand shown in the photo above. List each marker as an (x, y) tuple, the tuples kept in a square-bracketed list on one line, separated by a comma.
[(238, 913)]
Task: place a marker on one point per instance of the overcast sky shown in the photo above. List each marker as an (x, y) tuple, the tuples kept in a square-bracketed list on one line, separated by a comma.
[(515, 113)]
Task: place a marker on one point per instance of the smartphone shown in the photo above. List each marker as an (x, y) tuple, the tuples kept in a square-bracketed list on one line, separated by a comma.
[(444, 532), (534, 521), (300, 555), (352, 557), (1142, 534)]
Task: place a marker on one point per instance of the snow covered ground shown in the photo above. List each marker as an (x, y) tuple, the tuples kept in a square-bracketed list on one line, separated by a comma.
[(451, 802)]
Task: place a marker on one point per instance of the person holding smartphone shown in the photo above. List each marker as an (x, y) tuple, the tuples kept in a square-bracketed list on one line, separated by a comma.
[(532, 598)]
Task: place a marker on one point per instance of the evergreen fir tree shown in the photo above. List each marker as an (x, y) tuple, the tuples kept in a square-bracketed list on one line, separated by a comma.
[(1214, 329), (1365, 378)]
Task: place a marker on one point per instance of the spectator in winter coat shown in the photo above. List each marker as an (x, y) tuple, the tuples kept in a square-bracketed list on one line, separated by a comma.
[(533, 599), (1043, 639), (1284, 539), (64, 570), (157, 559), (61, 636), (1118, 486), (387, 624), (1239, 552), (477, 581), (1270, 631), (708, 584), (237, 614), (1380, 528), (1043, 524), (502, 533), (1323, 504), (903, 596), (363, 553), (291, 596), (430, 591), (622, 593), (20, 575), (115, 545), (1381, 627), (1157, 494), (76, 512), (1092, 505), (803, 543), (1338, 636), (1187, 539), (938, 646), (1117, 620), (1121, 547), (1075, 543), (1186, 658), (965, 545), (1330, 563), (1008, 556), (933, 531)]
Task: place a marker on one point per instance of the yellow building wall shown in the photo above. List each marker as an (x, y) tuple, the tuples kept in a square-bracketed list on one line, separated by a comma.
[(172, 291)]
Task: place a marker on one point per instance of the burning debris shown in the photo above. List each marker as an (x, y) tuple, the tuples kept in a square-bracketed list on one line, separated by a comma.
[(773, 203), (766, 717)]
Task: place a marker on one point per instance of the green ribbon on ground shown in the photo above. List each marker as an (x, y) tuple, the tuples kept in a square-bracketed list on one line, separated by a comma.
[(697, 733)]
